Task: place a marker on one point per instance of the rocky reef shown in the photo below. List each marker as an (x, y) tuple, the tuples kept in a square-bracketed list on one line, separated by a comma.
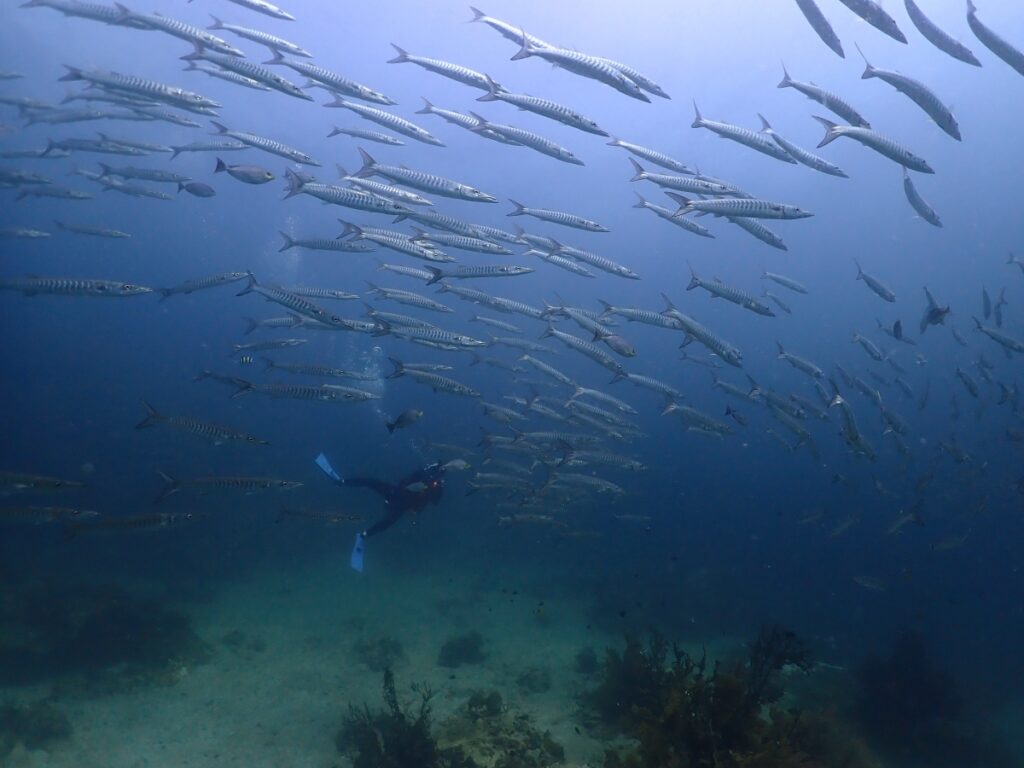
[(483, 733), (683, 714)]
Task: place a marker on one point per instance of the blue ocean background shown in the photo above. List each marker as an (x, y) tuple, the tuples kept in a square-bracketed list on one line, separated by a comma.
[(727, 547)]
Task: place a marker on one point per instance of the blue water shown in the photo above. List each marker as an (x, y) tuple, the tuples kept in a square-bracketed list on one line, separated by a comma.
[(727, 546)]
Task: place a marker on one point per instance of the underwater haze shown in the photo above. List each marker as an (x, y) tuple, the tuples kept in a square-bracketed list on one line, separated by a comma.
[(412, 385)]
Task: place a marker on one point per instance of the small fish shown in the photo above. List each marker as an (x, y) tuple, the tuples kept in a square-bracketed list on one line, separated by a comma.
[(197, 189), (933, 314), (404, 420), (735, 415), (876, 16), (821, 26), (918, 203), (249, 174), (937, 37), (877, 286), (993, 41), (16, 482)]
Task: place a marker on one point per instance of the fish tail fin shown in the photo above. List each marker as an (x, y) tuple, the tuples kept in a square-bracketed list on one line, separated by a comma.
[(401, 58), (220, 167), (276, 57), (170, 486), (782, 350), (368, 164), (220, 127), (520, 208), (860, 272), (243, 387), (638, 170), (288, 242), (427, 108), (217, 23), (698, 119), (641, 201), (399, 368), (435, 274), (152, 416), (250, 326), (294, 182), (765, 125), (251, 284), (869, 71), (977, 322), (786, 79), (694, 280), (73, 73), (493, 89), (549, 331), (526, 50), (477, 14), (683, 201), (831, 134), (165, 293), (352, 229), (669, 306)]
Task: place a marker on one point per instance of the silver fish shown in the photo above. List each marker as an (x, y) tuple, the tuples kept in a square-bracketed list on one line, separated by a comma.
[(739, 206), (800, 154), (456, 72), (821, 26), (388, 120), (558, 217), (544, 107), (918, 93), (426, 182), (937, 37), (876, 16), (434, 381), (827, 99), (263, 38), (918, 203), (332, 81), (527, 139), (363, 133), (267, 145), (741, 135), (582, 64), (883, 145), (669, 215), (652, 155), (61, 286), (993, 41), (877, 286)]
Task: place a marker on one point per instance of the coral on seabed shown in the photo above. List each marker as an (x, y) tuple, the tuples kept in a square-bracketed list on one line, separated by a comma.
[(461, 649), (394, 737), (494, 736), (683, 715), (482, 734)]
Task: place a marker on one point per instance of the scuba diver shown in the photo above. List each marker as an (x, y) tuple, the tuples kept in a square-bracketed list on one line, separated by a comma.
[(410, 494)]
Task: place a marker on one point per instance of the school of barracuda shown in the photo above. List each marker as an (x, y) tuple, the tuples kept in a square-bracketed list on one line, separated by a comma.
[(553, 441)]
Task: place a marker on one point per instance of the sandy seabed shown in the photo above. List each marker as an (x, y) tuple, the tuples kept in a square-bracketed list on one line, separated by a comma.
[(283, 671)]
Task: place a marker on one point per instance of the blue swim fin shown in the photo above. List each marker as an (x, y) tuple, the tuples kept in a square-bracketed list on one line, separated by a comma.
[(356, 561), (325, 465)]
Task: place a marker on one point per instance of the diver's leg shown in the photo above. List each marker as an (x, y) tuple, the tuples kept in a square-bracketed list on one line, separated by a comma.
[(383, 524), (378, 486)]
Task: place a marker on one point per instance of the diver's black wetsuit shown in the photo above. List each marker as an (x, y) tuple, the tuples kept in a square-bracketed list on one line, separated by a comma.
[(411, 493)]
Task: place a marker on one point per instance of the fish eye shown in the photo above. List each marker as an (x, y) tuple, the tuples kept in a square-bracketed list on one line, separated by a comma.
[(127, 287)]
